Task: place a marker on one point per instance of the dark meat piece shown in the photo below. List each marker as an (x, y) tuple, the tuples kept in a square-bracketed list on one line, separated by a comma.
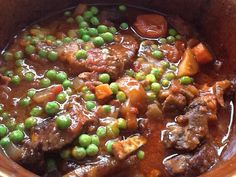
[(197, 115), (104, 166), (110, 16), (192, 165), (47, 136), (112, 61), (174, 105), (4, 80)]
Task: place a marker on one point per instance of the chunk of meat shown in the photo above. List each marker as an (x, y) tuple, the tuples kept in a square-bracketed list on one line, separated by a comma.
[(104, 166), (154, 111), (171, 52), (112, 61), (110, 16), (219, 89), (193, 165), (151, 25), (121, 149), (49, 137), (174, 105), (4, 80)]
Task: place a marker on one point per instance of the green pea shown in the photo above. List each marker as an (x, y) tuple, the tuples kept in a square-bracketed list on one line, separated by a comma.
[(130, 72), (43, 53), (67, 40), (85, 89), (70, 20), (16, 136), (85, 140), (35, 41), (61, 76), (140, 155), (87, 15), (83, 24), (101, 131), (30, 122), (78, 153), (162, 41), (19, 63), (113, 130), (173, 68), (112, 30), (89, 97), (94, 10), (157, 54), (157, 72), (31, 92), (5, 115), (185, 80), (92, 150), (86, 38), (121, 96), (1, 108), (30, 49), (8, 73), (124, 26), (79, 19), (107, 36), (172, 32), (165, 83), (63, 121), (15, 80), (61, 97), (90, 105), (151, 96), (65, 154), (114, 87), (122, 8), (106, 108), (93, 32), (169, 76), (5, 141), (102, 28), (29, 76), (140, 76), (19, 55), (36, 111), (178, 37), (170, 39), (81, 54), (165, 64), (94, 21), (20, 126), (104, 78), (95, 140), (98, 41), (109, 146), (155, 87), (51, 74), (122, 124), (52, 55), (25, 101), (8, 56), (150, 78), (67, 13), (66, 84), (52, 108), (3, 130), (45, 82)]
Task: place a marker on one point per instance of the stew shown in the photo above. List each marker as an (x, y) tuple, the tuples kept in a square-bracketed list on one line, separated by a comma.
[(113, 91)]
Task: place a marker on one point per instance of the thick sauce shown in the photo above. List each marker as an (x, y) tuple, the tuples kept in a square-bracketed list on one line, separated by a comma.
[(51, 45)]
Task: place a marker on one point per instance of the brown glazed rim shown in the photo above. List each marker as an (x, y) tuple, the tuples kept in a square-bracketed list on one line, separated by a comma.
[(215, 19)]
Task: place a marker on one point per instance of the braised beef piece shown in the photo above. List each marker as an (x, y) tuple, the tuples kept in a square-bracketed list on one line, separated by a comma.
[(103, 166), (49, 137), (191, 165), (111, 16), (112, 60), (4, 80)]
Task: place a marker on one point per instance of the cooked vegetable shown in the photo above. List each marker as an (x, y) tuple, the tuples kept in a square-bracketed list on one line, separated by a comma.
[(103, 91), (85, 140), (188, 66), (202, 54), (63, 121), (121, 149)]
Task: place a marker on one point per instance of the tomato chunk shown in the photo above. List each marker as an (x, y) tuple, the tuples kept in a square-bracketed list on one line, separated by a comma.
[(151, 25)]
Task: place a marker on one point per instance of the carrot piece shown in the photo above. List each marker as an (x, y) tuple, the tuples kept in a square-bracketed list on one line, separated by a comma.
[(103, 91), (151, 25), (202, 54), (56, 89)]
